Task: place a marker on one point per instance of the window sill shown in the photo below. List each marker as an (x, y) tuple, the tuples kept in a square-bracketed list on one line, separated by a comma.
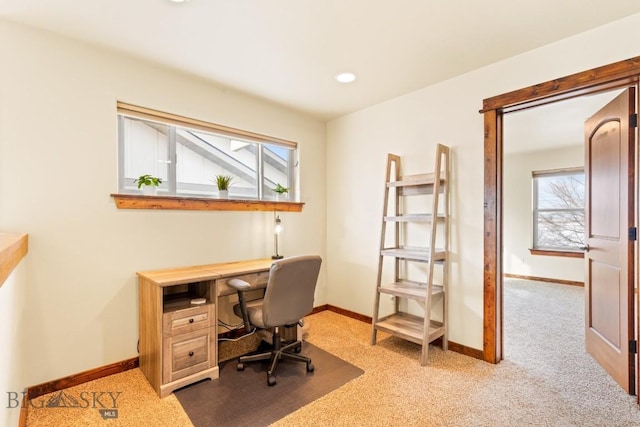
[(566, 254), (13, 247), (136, 201)]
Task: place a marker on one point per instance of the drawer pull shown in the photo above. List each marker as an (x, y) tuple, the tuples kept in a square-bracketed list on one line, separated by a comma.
[(191, 354), (191, 320)]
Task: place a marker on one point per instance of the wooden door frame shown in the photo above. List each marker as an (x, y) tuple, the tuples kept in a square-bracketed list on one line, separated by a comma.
[(618, 74)]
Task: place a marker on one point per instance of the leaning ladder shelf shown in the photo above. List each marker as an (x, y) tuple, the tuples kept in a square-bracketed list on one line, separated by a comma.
[(431, 191)]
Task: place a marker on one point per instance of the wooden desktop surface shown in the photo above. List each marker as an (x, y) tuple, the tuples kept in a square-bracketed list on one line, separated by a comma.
[(176, 276)]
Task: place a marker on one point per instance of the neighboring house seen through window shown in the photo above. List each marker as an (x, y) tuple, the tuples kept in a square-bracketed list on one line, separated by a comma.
[(558, 210), (188, 154)]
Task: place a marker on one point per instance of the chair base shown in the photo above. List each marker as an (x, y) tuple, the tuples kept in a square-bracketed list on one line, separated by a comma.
[(278, 353)]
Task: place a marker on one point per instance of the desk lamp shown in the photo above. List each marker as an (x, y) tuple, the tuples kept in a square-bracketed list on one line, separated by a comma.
[(276, 231)]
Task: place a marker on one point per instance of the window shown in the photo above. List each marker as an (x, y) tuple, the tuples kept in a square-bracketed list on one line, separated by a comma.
[(558, 210), (187, 155)]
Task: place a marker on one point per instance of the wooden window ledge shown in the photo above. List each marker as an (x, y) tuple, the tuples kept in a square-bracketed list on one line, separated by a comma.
[(13, 247), (136, 201), (547, 252)]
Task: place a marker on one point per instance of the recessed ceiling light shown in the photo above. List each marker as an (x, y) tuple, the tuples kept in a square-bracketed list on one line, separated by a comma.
[(178, 1), (345, 77)]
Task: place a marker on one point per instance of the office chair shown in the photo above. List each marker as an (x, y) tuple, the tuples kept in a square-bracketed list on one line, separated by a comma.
[(287, 299)]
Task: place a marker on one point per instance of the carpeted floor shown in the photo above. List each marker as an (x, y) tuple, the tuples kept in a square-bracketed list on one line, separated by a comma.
[(137, 405), (544, 334), (558, 386)]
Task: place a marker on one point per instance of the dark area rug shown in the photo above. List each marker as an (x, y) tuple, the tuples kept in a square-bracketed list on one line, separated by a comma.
[(244, 398)]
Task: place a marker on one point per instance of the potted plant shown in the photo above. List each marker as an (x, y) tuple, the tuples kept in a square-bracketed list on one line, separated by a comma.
[(223, 182), (148, 183), (280, 191)]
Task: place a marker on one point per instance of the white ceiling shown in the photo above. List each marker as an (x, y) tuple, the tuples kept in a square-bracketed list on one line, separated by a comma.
[(550, 126), (288, 51)]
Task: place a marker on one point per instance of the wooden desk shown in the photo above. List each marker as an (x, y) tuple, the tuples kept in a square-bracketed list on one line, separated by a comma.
[(178, 340)]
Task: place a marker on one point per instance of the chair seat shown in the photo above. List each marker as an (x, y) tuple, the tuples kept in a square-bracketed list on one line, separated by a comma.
[(254, 311)]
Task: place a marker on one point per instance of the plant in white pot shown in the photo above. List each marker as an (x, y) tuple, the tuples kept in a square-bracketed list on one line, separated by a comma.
[(280, 191), (223, 182), (148, 184)]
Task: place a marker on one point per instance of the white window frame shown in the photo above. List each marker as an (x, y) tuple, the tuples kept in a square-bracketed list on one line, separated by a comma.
[(536, 210), (169, 187)]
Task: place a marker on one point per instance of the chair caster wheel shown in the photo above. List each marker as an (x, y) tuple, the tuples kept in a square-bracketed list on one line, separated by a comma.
[(310, 367), (298, 349), (240, 366), (271, 380)]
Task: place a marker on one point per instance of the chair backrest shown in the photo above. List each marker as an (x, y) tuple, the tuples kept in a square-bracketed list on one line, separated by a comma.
[(290, 290)]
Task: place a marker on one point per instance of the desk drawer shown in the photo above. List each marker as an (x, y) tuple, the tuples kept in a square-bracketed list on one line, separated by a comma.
[(187, 320), (186, 354)]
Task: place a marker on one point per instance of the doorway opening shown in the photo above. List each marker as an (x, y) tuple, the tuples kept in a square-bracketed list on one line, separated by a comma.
[(543, 259), (618, 75)]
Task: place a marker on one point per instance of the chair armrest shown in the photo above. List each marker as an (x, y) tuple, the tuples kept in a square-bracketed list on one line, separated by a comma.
[(242, 286), (239, 285)]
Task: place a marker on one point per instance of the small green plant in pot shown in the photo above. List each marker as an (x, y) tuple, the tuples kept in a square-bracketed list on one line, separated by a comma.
[(148, 183), (223, 182), (280, 191)]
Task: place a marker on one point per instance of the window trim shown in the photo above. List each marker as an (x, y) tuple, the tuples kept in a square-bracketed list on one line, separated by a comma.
[(185, 202), (549, 251), (138, 201), (174, 119)]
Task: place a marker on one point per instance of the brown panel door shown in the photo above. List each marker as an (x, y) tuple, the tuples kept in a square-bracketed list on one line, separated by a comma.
[(609, 215)]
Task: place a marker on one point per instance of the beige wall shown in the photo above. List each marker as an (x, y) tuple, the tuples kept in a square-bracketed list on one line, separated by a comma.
[(58, 164), (13, 372), (517, 214), (410, 126)]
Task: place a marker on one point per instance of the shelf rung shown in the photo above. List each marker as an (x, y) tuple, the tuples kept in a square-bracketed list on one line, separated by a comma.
[(414, 180), (413, 218), (415, 254), (410, 289), (410, 328)]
